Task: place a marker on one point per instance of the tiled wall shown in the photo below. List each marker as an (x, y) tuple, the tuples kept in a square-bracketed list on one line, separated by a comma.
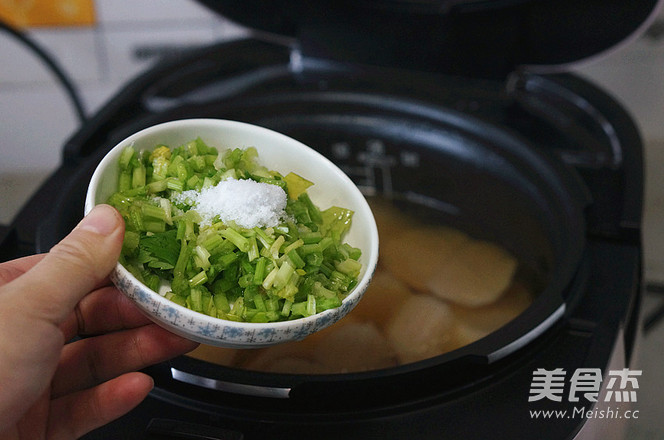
[(35, 115)]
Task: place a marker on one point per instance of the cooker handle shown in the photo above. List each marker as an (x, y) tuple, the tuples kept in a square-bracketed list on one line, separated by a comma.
[(573, 114), (176, 429)]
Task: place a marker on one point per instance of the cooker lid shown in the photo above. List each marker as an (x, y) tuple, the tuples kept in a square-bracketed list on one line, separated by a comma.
[(482, 38)]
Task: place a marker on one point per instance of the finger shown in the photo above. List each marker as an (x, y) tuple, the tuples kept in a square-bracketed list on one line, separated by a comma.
[(75, 415), (91, 361), (13, 269), (72, 268), (104, 310)]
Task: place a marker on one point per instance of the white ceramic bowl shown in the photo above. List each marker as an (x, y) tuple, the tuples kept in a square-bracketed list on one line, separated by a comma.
[(277, 152)]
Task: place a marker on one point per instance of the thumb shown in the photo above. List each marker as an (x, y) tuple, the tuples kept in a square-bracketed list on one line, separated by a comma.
[(75, 266)]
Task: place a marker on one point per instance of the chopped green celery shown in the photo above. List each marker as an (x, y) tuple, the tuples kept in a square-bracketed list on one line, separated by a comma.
[(212, 242), (196, 300), (121, 202), (282, 229), (135, 271), (353, 252), (245, 280), (271, 181), (336, 221), (154, 225), (284, 274), (311, 237), (226, 260), (180, 285), (198, 279), (324, 303), (174, 184), (202, 257), (294, 258), (138, 177), (314, 258), (294, 269), (124, 180), (309, 270), (208, 306), (339, 281), (238, 308), (311, 305), (179, 299), (246, 266), (126, 156), (157, 186), (269, 279), (299, 211), (181, 170), (252, 252), (130, 243), (296, 244), (262, 236), (260, 270), (299, 309), (173, 165), (161, 151), (189, 230), (153, 212), (166, 206), (275, 248), (193, 181), (325, 243), (257, 298), (183, 258), (234, 236), (228, 174), (326, 268), (160, 167), (221, 302), (286, 309), (307, 249), (264, 317), (273, 304), (349, 267), (313, 210), (136, 218), (320, 291), (191, 148), (297, 185), (151, 280), (209, 160), (208, 183), (197, 163), (289, 291), (181, 229)]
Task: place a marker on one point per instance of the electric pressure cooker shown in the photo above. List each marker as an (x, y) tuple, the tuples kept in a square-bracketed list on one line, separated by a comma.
[(463, 107)]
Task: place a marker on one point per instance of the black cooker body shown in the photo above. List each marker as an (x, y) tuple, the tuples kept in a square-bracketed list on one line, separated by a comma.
[(460, 147), (547, 165)]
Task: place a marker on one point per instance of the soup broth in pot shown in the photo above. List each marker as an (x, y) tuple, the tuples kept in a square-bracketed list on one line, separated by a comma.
[(436, 289)]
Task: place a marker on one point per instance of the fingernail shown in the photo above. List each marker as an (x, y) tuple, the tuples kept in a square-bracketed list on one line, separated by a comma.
[(103, 220)]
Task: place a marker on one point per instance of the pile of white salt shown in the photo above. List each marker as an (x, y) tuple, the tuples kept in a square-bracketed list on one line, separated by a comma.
[(246, 202)]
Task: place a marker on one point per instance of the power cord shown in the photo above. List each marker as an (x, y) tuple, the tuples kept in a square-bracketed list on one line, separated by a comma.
[(53, 66)]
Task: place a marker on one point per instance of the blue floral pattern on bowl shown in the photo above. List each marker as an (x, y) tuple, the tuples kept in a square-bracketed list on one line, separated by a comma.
[(218, 332)]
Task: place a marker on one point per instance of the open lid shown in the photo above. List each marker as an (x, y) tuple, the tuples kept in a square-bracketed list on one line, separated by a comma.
[(481, 38)]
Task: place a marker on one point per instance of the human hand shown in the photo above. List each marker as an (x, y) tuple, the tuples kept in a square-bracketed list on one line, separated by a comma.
[(57, 390)]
